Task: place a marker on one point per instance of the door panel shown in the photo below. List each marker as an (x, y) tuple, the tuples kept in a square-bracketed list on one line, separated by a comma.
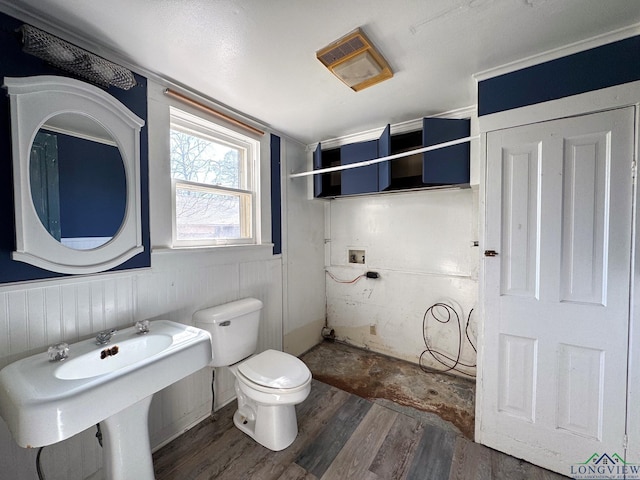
[(581, 383), (584, 219), (520, 206), (517, 384), (554, 357)]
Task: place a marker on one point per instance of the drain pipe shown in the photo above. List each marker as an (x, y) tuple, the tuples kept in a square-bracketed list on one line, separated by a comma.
[(327, 332)]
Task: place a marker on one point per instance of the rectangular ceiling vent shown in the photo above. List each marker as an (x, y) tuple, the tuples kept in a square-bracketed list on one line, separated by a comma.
[(342, 50), (355, 61)]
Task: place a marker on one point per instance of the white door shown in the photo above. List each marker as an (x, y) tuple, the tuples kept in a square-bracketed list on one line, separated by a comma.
[(554, 359)]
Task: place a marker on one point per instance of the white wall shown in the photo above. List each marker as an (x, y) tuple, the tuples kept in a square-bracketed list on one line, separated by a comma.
[(421, 244), (303, 257), (35, 315)]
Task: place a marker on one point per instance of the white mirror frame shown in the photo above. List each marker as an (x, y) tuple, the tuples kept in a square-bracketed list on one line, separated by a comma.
[(35, 100)]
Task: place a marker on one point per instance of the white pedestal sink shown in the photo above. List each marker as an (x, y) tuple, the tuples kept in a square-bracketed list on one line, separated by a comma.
[(45, 402)]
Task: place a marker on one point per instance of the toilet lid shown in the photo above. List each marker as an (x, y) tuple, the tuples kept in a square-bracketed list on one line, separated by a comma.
[(275, 369)]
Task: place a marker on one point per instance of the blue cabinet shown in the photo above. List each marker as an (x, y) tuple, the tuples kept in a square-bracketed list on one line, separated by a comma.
[(450, 165), (361, 179), (447, 166), (372, 178)]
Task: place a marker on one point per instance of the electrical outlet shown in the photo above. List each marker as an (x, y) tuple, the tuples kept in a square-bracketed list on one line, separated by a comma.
[(373, 330), (356, 256)]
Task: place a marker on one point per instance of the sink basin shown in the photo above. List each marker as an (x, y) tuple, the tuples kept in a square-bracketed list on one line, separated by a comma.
[(45, 402), (129, 352)]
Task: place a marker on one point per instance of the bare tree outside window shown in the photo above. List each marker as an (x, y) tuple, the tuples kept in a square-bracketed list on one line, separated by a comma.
[(199, 160)]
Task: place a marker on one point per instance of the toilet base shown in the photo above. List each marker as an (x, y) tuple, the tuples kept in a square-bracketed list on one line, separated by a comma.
[(274, 427)]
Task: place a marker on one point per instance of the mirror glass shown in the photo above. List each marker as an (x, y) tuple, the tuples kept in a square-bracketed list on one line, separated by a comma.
[(78, 181)]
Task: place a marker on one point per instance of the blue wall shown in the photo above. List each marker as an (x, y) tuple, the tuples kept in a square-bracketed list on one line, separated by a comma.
[(601, 67), (276, 199), (15, 63)]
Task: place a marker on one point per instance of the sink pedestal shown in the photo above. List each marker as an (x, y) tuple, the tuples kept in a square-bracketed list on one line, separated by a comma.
[(125, 443), (45, 402)]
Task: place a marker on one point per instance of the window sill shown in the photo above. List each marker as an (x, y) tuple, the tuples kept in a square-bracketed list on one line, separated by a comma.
[(198, 256)]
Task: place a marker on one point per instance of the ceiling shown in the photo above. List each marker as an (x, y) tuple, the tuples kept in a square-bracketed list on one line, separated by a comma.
[(258, 57)]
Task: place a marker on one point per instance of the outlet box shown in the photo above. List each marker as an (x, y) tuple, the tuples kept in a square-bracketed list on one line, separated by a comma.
[(356, 256)]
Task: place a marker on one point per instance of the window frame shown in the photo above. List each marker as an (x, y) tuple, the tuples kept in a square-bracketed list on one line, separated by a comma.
[(249, 171)]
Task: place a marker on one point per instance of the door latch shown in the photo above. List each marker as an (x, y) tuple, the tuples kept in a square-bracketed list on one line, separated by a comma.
[(490, 253)]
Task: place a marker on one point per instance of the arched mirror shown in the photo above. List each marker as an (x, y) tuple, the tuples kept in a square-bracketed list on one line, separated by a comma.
[(76, 175)]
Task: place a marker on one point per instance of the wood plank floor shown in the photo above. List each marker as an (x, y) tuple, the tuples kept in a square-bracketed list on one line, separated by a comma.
[(341, 436)]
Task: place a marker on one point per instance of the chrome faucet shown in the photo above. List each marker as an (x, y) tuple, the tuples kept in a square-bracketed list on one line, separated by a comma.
[(104, 337)]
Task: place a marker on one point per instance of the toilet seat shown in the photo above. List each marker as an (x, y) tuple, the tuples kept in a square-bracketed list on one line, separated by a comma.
[(274, 371)]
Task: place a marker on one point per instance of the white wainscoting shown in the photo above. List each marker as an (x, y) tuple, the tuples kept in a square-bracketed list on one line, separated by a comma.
[(37, 314)]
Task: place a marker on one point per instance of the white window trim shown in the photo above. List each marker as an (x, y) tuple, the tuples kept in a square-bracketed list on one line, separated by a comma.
[(209, 129)]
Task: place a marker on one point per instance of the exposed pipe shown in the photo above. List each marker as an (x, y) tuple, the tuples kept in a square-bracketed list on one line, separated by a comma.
[(366, 163), (328, 333)]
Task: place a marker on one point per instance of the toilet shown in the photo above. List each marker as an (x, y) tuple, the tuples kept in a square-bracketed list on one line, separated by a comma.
[(268, 384)]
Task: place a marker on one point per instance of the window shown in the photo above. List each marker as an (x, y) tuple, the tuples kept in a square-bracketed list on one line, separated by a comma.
[(213, 171)]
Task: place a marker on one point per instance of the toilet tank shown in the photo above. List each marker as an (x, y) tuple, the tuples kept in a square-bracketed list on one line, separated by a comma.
[(234, 329)]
